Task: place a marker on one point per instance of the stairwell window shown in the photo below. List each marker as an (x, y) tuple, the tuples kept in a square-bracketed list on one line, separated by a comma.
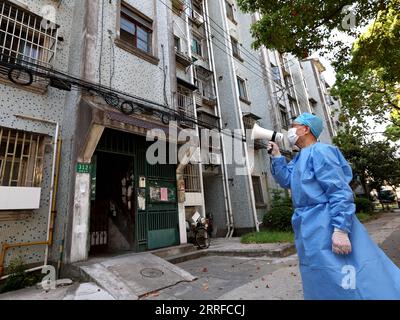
[(197, 48), (229, 11), (243, 95), (284, 117), (136, 33), (257, 189), (235, 49)]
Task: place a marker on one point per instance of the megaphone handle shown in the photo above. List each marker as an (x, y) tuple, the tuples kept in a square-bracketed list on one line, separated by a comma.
[(273, 140)]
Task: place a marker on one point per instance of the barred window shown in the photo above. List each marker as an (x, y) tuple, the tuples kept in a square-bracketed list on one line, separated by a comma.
[(192, 178), (25, 36), (258, 195), (21, 158)]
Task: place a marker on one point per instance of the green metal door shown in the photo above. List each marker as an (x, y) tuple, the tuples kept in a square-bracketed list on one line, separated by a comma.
[(156, 213), (158, 224)]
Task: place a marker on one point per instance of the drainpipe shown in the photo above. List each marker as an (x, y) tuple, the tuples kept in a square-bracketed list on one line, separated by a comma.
[(227, 197), (236, 90), (269, 86), (52, 209)]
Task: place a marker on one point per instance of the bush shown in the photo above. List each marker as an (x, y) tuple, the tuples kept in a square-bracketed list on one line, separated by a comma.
[(18, 279), (279, 218), (364, 205)]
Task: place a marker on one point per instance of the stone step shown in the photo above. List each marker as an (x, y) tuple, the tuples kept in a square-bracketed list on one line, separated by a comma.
[(186, 256), (174, 251)]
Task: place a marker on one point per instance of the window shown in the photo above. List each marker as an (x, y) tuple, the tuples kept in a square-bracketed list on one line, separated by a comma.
[(177, 42), (229, 11), (284, 117), (258, 195), (276, 73), (314, 103), (21, 158), (25, 36), (242, 89), (197, 47), (235, 48), (135, 29), (191, 176)]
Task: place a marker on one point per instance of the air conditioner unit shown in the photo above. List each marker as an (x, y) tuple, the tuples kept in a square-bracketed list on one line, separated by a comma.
[(198, 18)]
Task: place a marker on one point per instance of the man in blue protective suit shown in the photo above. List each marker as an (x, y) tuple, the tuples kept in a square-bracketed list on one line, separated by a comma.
[(338, 259)]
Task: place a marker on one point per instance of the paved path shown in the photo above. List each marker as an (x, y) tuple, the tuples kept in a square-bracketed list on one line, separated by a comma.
[(229, 277)]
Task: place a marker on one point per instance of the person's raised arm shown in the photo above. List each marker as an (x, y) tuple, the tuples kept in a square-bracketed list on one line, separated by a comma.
[(280, 169)]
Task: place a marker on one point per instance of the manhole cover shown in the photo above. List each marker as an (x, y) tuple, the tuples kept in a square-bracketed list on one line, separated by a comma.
[(151, 273)]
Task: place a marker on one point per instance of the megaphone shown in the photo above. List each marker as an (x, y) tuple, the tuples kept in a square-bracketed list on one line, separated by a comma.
[(261, 133)]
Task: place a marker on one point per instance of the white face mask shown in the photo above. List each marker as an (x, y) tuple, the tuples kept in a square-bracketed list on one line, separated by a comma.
[(292, 136)]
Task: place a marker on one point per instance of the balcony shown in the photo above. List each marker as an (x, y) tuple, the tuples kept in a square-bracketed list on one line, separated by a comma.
[(197, 18), (207, 120), (209, 99), (182, 58), (185, 108), (179, 5)]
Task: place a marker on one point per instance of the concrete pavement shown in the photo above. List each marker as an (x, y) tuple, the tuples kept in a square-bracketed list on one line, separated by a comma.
[(255, 275)]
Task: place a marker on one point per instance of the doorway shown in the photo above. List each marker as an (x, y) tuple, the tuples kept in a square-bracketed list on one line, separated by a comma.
[(113, 207), (133, 203)]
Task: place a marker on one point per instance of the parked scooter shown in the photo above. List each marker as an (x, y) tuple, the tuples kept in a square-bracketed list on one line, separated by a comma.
[(197, 231)]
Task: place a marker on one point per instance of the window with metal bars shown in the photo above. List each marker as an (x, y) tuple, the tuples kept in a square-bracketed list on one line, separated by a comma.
[(191, 177), (258, 195), (26, 37), (21, 158)]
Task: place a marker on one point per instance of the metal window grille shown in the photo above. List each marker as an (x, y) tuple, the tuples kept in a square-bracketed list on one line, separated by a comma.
[(185, 105), (21, 158), (257, 190), (191, 176), (25, 36)]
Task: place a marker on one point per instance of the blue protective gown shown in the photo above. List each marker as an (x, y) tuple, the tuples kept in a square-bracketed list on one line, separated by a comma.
[(319, 178)]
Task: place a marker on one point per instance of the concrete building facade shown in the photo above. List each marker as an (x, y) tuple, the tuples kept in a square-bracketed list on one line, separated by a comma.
[(91, 83)]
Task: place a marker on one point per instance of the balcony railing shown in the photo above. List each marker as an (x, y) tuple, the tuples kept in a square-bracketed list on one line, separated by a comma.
[(185, 107)]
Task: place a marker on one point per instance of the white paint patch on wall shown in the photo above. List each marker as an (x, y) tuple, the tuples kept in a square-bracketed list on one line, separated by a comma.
[(19, 198)]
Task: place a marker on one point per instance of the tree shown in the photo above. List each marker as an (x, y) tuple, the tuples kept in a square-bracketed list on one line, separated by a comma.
[(368, 83), (375, 163), (302, 26), (368, 72)]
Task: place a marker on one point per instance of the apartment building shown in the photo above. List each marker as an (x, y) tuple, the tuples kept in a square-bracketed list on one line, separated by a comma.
[(37, 36), (89, 92)]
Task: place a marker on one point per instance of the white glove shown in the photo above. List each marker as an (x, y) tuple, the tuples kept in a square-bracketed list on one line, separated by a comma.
[(340, 242)]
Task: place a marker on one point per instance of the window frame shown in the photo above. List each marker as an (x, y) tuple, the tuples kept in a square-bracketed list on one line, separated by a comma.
[(242, 98), (284, 119), (235, 44), (22, 147), (276, 73), (258, 190), (199, 45), (139, 20), (231, 16)]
